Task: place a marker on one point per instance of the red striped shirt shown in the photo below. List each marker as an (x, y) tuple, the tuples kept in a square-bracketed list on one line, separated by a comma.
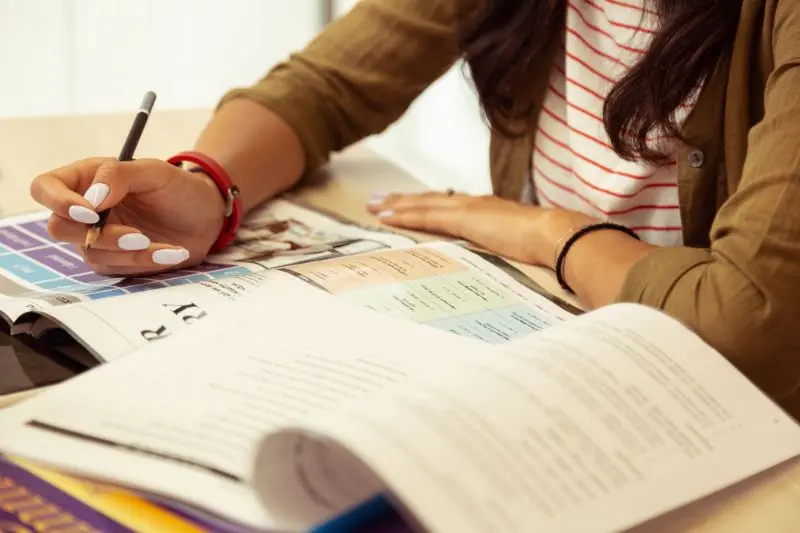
[(574, 166)]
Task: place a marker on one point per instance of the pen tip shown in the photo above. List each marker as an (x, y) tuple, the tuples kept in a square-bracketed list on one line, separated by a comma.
[(91, 237)]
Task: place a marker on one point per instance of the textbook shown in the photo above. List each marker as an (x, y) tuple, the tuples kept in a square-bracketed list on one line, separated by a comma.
[(295, 407), (47, 290)]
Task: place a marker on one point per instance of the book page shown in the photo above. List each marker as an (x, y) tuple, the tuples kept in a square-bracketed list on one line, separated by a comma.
[(112, 328), (182, 418), (38, 272), (439, 285), (593, 426)]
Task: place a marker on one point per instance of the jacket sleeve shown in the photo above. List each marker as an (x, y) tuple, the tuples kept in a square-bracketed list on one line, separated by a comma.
[(361, 73), (742, 295)]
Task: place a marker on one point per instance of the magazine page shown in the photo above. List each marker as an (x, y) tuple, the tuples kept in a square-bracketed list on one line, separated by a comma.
[(37, 272), (595, 425), (182, 418), (283, 233), (440, 285)]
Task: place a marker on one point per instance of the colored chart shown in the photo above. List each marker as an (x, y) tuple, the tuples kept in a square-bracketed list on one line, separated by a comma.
[(439, 289), (32, 259)]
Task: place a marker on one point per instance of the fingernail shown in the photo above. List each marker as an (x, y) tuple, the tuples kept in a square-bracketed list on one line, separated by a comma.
[(385, 214), (133, 241), (170, 256), (377, 198), (82, 214), (96, 194)]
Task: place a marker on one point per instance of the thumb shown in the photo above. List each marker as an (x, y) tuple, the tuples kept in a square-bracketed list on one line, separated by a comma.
[(114, 180)]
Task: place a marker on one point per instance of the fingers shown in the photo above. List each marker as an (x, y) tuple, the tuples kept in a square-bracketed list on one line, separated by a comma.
[(432, 212), (156, 256), (113, 237), (443, 221), (78, 191), (61, 190), (119, 249), (114, 180), (380, 203)]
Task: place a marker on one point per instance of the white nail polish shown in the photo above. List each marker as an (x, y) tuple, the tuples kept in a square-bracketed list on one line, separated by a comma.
[(82, 214), (170, 256), (376, 200), (96, 194), (133, 241), (385, 214)]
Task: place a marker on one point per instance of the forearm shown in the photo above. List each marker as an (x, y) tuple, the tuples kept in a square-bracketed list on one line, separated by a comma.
[(262, 153)]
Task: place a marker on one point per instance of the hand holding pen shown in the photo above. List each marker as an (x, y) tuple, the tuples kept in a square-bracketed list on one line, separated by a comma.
[(128, 216)]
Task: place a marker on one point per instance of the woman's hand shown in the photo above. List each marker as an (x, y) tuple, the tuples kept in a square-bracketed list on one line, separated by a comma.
[(163, 217), (596, 264), (507, 228)]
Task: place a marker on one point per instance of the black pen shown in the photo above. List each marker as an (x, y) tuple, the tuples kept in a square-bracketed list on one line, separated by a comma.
[(126, 154)]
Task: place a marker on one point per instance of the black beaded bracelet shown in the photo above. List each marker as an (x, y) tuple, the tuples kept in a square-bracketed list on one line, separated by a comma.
[(562, 254)]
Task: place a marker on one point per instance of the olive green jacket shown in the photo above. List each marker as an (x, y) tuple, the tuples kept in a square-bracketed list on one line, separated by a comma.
[(737, 279)]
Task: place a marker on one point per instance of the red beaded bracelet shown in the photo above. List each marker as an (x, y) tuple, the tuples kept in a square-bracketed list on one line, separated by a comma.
[(229, 191)]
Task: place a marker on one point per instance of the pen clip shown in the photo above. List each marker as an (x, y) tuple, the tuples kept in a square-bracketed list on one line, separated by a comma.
[(233, 193)]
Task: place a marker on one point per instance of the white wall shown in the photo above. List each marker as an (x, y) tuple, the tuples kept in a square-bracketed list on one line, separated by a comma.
[(442, 139), (33, 63), (88, 56)]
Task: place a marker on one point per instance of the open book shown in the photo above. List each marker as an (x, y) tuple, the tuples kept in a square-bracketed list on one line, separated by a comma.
[(47, 289), (296, 406)]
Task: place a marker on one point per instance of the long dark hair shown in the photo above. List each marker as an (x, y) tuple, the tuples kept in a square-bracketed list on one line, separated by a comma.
[(503, 38)]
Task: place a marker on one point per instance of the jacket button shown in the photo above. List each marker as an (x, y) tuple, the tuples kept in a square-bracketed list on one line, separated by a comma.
[(696, 158)]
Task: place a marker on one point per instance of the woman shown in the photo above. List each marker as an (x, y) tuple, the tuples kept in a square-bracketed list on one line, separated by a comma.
[(677, 121)]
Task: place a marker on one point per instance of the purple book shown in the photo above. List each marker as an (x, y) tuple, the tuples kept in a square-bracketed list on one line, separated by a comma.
[(28, 503), (33, 499), (36, 499)]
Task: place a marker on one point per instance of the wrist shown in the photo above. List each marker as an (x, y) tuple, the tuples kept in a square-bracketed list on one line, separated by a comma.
[(556, 225), (232, 211), (216, 202)]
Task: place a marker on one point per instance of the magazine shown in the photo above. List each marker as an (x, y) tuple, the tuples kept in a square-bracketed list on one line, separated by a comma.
[(47, 289)]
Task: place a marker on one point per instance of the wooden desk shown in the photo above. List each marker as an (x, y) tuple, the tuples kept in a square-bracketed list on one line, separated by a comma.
[(765, 504)]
